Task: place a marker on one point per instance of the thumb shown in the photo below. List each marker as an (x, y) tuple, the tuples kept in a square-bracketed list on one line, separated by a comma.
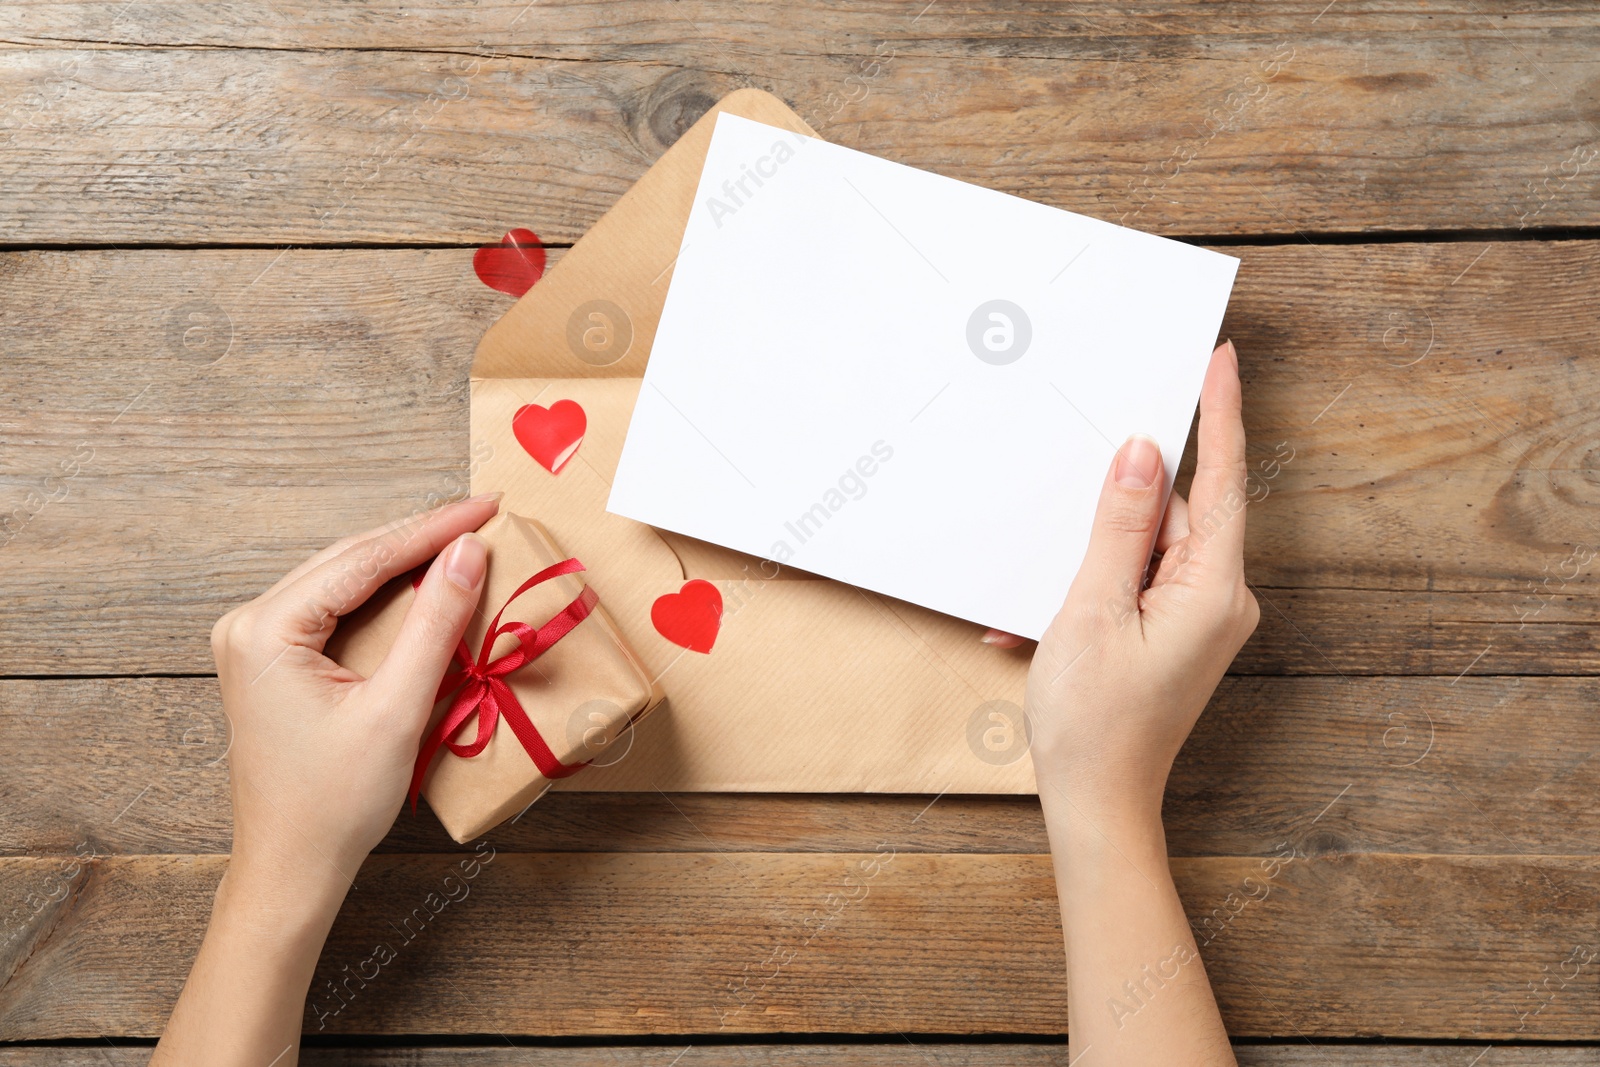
[(1125, 525), (434, 624)]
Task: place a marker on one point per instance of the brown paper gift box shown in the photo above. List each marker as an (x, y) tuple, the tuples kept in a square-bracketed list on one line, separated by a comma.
[(812, 685), (581, 694)]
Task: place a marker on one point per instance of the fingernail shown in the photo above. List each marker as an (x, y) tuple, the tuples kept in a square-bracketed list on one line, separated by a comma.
[(484, 498), (1233, 353), (464, 561), (993, 637), (1137, 462)]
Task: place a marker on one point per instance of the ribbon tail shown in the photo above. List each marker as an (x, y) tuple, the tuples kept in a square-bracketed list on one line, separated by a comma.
[(469, 700), (527, 733)]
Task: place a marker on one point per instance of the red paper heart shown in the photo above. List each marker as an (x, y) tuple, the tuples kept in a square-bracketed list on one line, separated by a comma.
[(513, 265), (550, 435), (691, 616)]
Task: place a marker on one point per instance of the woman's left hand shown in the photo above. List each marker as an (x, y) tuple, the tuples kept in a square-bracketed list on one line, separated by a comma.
[(320, 758)]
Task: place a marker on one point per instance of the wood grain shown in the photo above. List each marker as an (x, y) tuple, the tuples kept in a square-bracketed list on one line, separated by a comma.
[(337, 399), (181, 426), (1419, 766), (452, 126), (609, 30), (649, 943), (896, 1052)]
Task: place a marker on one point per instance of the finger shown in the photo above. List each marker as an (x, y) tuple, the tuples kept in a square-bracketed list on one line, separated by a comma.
[(1174, 524), (1001, 639), (306, 610), (1125, 524), (1217, 494), (484, 501), (434, 623)]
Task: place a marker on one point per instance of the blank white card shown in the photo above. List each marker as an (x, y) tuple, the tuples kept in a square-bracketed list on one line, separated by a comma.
[(906, 382)]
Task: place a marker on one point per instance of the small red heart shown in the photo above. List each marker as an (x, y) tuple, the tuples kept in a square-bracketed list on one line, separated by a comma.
[(551, 435), (691, 616), (513, 265)]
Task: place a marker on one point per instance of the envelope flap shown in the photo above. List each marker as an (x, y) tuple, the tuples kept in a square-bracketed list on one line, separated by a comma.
[(595, 313)]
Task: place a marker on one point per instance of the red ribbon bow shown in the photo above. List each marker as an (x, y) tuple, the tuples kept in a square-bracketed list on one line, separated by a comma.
[(484, 693)]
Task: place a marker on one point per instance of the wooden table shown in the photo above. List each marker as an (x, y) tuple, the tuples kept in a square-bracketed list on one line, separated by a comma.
[(236, 313)]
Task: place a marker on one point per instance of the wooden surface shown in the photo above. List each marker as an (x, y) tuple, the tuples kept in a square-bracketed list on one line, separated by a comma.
[(237, 302), (348, 127), (898, 1053), (605, 943), (1463, 528)]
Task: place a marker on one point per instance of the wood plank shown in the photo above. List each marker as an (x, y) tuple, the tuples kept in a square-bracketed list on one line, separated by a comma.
[(341, 401), (1477, 117), (654, 29), (641, 943), (895, 1053), (1547, 629), (1417, 766)]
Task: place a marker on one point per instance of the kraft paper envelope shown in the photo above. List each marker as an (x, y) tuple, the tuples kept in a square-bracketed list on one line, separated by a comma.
[(810, 685)]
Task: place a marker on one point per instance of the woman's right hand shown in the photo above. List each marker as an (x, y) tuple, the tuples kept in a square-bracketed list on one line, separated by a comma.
[(1125, 669), (1116, 685)]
